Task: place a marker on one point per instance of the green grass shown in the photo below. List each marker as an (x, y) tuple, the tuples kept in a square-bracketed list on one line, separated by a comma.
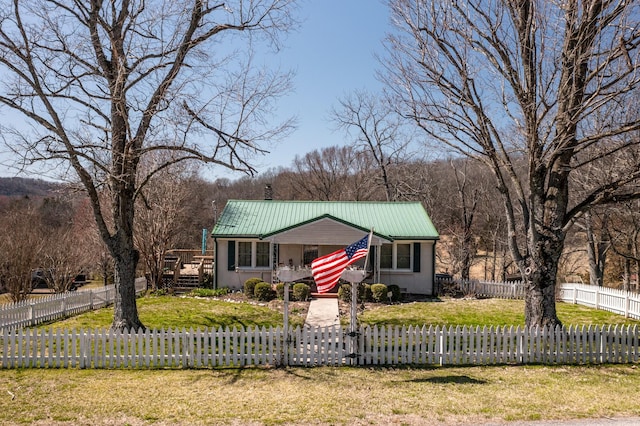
[(478, 312), (158, 312), (324, 395), (320, 396)]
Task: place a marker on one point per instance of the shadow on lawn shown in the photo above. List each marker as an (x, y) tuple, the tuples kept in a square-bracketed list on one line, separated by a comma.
[(458, 380)]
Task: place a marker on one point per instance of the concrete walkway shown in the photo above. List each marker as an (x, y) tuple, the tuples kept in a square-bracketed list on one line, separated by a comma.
[(323, 313)]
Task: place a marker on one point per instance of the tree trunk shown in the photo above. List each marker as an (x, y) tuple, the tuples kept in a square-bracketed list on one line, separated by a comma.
[(540, 297), (125, 312), (540, 306)]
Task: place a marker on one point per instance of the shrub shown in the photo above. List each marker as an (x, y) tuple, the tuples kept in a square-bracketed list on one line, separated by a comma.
[(264, 292), (301, 292), (379, 293), (280, 291), (209, 292), (344, 292), (207, 280), (249, 287), (364, 292), (395, 290)]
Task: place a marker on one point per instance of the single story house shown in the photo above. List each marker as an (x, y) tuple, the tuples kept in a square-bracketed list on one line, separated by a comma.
[(252, 238)]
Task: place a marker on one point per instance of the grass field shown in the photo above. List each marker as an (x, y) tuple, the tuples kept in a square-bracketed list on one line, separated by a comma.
[(323, 395), (186, 312), (320, 396), (480, 312)]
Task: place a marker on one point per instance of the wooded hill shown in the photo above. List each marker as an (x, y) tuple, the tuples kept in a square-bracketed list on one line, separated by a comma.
[(25, 187)]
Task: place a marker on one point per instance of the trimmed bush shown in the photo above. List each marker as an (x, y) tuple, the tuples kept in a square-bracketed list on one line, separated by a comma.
[(280, 291), (395, 290), (207, 281), (379, 293), (250, 286), (344, 292), (263, 292), (301, 292), (364, 292)]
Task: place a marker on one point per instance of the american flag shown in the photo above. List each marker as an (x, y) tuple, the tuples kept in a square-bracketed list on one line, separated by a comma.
[(327, 269)]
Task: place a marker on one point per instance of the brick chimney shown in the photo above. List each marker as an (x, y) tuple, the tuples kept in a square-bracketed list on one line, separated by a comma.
[(268, 192)]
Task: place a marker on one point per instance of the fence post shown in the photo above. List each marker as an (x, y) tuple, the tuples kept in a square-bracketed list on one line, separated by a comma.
[(441, 347), (575, 295), (32, 319), (627, 304), (597, 297)]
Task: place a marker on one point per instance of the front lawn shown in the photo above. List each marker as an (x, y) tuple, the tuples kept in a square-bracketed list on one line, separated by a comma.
[(158, 312), (474, 312)]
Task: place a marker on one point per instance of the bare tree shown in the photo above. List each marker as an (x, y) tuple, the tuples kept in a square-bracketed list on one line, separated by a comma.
[(467, 205), (161, 208), (104, 84), (67, 248), (624, 233), (375, 128), (20, 248), (517, 83), (332, 174)]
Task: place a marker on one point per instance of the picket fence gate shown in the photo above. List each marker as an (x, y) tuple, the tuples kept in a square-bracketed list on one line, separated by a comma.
[(306, 346)]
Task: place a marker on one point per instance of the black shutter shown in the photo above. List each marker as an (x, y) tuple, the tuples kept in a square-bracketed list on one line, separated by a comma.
[(416, 257), (231, 255)]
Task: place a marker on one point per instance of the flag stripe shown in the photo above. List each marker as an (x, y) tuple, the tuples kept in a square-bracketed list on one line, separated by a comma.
[(327, 269)]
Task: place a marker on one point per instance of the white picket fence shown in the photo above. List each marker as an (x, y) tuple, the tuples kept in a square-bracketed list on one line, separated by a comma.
[(38, 348), (32, 312), (484, 288), (608, 299)]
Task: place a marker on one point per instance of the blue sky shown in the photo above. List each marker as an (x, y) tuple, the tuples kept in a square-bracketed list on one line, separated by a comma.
[(332, 54)]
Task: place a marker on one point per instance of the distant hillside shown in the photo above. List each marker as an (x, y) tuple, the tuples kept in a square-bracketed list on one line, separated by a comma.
[(20, 187)]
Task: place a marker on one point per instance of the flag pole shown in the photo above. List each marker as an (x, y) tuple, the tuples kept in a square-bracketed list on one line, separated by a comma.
[(366, 258)]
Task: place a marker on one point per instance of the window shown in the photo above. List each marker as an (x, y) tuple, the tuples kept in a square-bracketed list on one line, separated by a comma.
[(262, 254), (253, 254), (244, 253), (386, 256), (395, 256), (309, 253), (403, 256)]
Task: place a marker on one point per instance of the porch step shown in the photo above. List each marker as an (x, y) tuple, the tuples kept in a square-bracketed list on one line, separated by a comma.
[(324, 295), (188, 281)]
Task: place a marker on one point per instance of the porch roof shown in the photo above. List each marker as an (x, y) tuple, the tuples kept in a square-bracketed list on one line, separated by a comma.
[(265, 218)]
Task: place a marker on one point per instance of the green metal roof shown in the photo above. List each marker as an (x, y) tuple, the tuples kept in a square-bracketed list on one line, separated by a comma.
[(263, 218)]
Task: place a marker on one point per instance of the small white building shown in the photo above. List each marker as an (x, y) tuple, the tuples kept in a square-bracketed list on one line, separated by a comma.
[(252, 238)]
